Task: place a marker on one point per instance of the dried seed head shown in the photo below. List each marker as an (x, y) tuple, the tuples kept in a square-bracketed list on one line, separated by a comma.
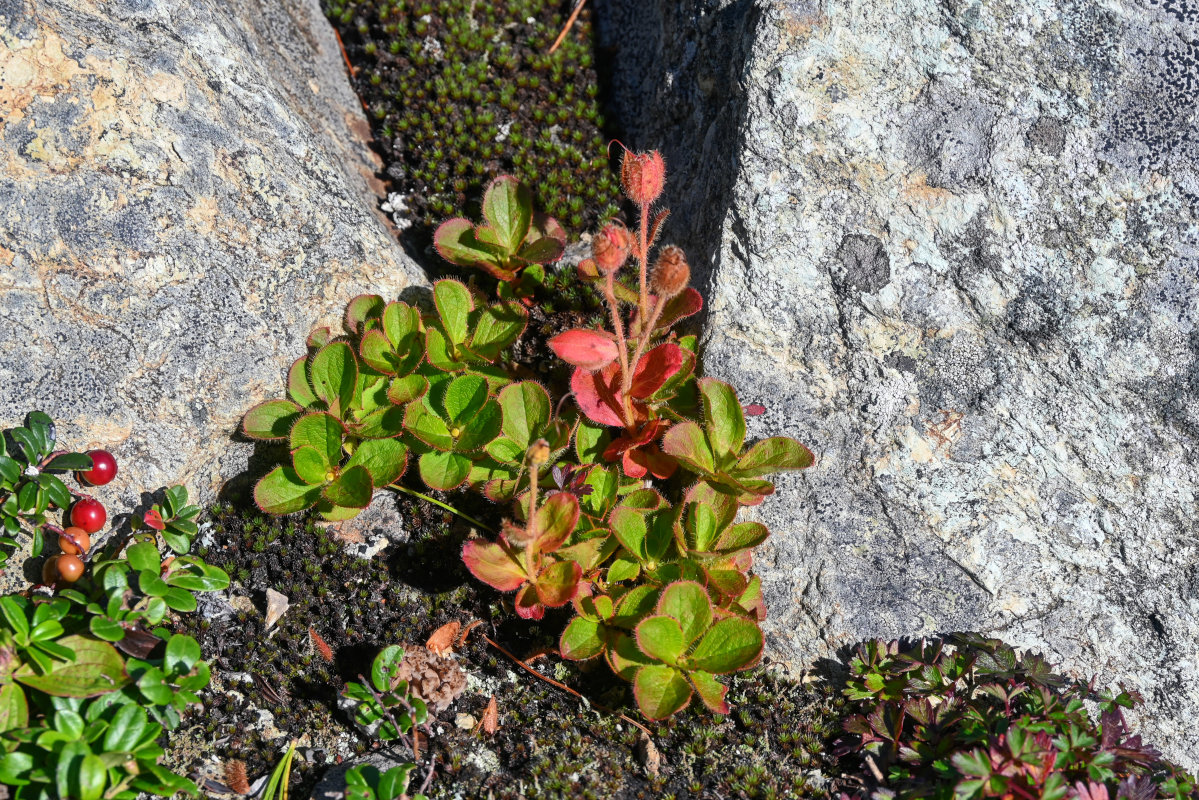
[(235, 777), (438, 680), (611, 248), (671, 273), (642, 176)]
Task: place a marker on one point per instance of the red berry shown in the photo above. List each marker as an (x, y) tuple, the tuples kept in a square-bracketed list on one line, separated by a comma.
[(104, 469), (89, 514)]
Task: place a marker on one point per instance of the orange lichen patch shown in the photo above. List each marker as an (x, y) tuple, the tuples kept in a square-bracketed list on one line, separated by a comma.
[(917, 191), (32, 69)]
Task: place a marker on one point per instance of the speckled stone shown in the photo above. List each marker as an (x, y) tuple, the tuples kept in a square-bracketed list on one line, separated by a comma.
[(185, 192), (952, 246)]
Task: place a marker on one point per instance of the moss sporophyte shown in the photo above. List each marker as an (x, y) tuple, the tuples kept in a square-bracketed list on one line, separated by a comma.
[(659, 578)]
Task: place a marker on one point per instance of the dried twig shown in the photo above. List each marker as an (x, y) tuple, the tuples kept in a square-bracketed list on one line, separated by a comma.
[(564, 687), (574, 15)]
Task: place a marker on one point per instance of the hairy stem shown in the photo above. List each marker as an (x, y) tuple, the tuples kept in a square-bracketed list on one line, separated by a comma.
[(622, 347), (440, 504), (646, 335), (643, 258)]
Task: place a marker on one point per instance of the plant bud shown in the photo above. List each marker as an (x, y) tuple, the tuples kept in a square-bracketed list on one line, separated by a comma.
[(539, 452), (611, 248), (642, 176), (671, 273)]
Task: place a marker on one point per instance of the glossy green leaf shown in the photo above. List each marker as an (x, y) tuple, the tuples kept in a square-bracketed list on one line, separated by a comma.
[(384, 459), (661, 638), (526, 411), (311, 464), (322, 431), (143, 556), (454, 304), (508, 209), (126, 728), (334, 373), (10, 470), (282, 491), (481, 429), (68, 462), (498, 326), (443, 471), (271, 420), (731, 644), (687, 603), (623, 569), (353, 488), (590, 441), (660, 691), (723, 418), (106, 629), (385, 667), (582, 639), (629, 525)]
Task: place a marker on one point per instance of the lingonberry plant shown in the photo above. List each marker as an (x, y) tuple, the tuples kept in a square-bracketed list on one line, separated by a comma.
[(92, 675), (969, 718), (30, 486), (659, 576)]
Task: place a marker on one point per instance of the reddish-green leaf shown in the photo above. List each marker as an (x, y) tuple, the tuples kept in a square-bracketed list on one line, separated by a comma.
[(527, 604), (493, 564), (402, 391), (558, 583), (623, 656), (362, 308), (742, 536), (772, 455), (590, 350), (498, 326), (687, 443), (710, 691), (731, 644), (660, 691), (629, 526), (526, 409), (456, 242), (555, 519), (298, 387), (14, 710), (271, 420), (97, 669), (541, 251), (311, 465)]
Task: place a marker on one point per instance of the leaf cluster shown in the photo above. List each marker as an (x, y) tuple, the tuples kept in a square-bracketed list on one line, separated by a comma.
[(970, 718), (90, 678), (659, 574), (29, 482)]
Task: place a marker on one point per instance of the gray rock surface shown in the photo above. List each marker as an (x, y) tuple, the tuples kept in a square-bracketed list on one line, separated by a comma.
[(185, 192), (953, 249)]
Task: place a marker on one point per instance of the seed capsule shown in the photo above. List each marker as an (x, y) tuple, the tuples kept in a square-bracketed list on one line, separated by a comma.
[(611, 248), (671, 274), (642, 176)]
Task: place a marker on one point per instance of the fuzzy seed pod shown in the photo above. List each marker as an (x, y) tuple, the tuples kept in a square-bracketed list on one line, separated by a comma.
[(611, 248), (235, 777), (671, 273), (539, 452), (642, 176)]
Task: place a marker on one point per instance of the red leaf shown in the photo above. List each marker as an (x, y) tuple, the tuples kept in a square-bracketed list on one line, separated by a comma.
[(648, 459), (558, 583), (556, 519), (493, 564), (590, 350), (528, 604), (597, 394), (755, 410), (655, 368), (154, 520)]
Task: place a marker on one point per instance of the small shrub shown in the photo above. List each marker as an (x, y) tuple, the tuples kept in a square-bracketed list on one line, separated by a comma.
[(970, 718)]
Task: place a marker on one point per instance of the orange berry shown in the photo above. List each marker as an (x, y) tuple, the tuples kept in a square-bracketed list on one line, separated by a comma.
[(50, 570), (74, 541), (70, 568)]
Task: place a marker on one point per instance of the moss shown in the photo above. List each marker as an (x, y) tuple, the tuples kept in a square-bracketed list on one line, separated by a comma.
[(548, 745), (459, 92)]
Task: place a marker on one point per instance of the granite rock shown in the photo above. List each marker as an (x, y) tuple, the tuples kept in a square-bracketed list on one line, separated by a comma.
[(951, 245), (186, 190)]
